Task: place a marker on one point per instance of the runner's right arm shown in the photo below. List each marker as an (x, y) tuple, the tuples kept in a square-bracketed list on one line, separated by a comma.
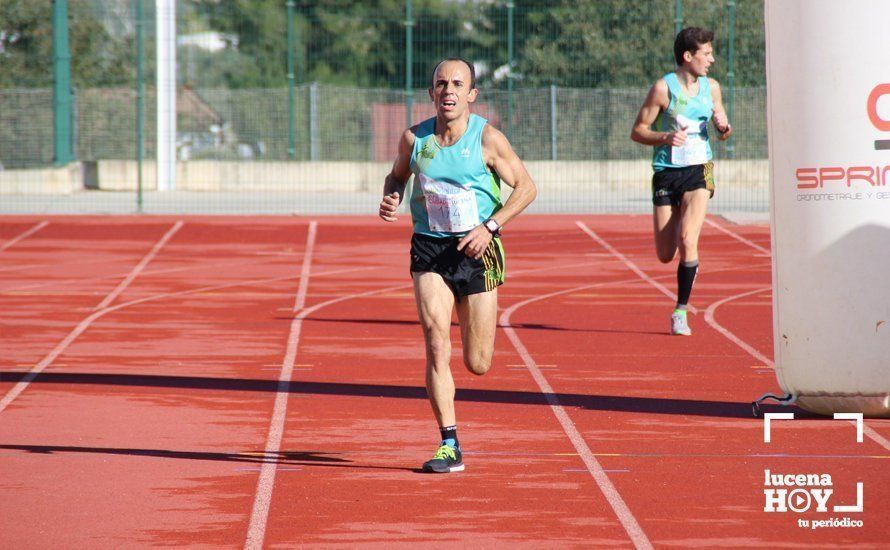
[(394, 186), (656, 101)]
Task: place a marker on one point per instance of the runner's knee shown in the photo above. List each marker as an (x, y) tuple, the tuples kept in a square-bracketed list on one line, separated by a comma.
[(665, 255), (477, 363), (688, 244), (438, 347)]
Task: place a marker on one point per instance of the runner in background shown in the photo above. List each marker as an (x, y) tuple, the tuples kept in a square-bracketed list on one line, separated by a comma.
[(674, 119)]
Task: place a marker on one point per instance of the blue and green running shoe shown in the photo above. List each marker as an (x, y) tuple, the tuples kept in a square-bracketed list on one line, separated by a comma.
[(447, 459)]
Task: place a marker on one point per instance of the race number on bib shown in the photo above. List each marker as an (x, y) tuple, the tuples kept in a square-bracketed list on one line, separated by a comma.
[(450, 208), (695, 150)]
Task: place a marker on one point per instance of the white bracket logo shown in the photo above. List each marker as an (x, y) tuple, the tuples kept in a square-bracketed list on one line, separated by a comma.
[(798, 492), (790, 416)]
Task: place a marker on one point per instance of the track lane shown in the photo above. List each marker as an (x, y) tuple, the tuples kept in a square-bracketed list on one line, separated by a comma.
[(181, 454), (685, 389)]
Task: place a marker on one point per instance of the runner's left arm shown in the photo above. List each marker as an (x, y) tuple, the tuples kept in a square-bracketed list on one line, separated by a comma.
[(503, 160), (721, 121)]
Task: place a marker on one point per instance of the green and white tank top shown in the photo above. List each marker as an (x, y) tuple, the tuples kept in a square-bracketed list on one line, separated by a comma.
[(454, 191), (692, 112)]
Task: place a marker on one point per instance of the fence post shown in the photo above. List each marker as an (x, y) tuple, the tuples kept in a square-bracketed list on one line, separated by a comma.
[(73, 122), (140, 98), (313, 121), (61, 84), (678, 16), (553, 135), (409, 61), (730, 75), (291, 92), (510, 6)]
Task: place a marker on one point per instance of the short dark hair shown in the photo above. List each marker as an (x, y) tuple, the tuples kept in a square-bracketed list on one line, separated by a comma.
[(690, 39), (462, 60)]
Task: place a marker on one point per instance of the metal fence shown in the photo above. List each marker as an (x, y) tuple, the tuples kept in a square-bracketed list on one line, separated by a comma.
[(271, 121)]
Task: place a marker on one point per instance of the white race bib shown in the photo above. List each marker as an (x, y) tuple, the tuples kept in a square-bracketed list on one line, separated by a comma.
[(695, 150), (450, 208)]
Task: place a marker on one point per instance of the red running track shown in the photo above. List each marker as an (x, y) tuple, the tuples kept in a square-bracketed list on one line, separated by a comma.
[(247, 382)]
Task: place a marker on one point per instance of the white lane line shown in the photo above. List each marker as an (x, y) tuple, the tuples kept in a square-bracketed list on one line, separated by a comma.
[(194, 291), (139, 267), (622, 512), (93, 317), (738, 237), (263, 498), (265, 486), (216, 267), (709, 318), (16, 390), (24, 235), (632, 266), (875, 436), (259, 516), (709, 314), (256, 531)]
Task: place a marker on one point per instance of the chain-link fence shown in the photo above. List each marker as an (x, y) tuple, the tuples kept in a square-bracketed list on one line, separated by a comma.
[(272, 121)]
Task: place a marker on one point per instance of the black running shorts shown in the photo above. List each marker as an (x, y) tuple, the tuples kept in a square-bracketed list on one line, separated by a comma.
[(669, 184), (465, 275)]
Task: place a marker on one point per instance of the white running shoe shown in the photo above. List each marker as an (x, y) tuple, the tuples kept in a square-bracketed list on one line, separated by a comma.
[(679, 327)]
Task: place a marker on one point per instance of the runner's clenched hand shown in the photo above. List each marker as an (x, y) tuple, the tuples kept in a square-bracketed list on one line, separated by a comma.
[(388, 207), (474, 243)]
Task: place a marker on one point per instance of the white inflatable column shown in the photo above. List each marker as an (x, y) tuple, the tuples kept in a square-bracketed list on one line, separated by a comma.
[(165, 21), (828, 90)]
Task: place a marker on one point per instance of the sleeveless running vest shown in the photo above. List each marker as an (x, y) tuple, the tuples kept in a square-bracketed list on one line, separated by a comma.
[(692, 112), (453, 191)]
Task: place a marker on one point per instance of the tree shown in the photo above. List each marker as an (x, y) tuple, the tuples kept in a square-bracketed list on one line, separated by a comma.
[(344, 42), (26, 47), (617, 43)]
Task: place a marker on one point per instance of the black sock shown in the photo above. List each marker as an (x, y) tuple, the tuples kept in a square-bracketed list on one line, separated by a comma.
[(685, 279), (449, 436)]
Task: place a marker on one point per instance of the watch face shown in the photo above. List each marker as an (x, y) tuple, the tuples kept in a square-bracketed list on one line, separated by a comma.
[(492, 226)]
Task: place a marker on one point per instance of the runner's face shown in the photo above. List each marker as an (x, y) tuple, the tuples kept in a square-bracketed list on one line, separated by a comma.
[(451, 92), (700, 61)]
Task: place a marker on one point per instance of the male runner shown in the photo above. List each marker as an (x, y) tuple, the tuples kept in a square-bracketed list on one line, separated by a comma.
[(674, 119), (457, 261)]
